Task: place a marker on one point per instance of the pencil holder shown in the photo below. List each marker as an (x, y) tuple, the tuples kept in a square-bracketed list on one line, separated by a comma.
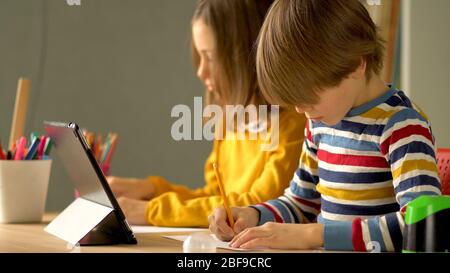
[(23, 190)]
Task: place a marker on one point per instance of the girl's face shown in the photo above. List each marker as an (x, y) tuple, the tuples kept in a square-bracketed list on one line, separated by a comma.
[(205, 45)]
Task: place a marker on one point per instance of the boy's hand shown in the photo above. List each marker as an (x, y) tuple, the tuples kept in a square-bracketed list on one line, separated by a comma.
[(280, 236), (134, 210), (140, 189), (244, 217)]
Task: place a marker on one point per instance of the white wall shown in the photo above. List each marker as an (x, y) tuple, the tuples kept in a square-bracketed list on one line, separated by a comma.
[(112, 66), (426, 61)]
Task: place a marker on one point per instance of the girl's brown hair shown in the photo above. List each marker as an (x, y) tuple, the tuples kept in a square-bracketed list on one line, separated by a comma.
[(306, 46), (235, 25)]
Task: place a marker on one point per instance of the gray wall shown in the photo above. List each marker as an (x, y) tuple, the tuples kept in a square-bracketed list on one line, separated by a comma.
[(109, 65), (426, 61)]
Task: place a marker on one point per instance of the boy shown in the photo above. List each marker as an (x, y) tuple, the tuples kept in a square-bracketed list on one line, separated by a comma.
[(368, 150)]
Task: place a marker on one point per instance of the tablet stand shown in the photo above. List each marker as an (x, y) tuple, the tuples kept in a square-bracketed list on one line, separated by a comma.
[(86, 223)]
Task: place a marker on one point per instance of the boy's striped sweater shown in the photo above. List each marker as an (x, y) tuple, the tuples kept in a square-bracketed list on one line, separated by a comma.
[(357, 177)]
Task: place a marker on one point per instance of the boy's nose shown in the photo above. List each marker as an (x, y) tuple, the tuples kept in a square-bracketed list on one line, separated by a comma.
[(299, 110)]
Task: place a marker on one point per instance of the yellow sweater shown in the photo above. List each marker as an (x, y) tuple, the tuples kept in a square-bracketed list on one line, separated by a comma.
[(249, 175)]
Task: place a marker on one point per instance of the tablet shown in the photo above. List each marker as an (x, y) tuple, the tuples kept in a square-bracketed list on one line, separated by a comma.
[(83, 169)]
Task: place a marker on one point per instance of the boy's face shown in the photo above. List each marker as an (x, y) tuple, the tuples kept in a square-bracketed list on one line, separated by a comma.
[(334, 103)]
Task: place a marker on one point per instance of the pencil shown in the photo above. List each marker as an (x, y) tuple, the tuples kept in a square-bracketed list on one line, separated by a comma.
[(111, 149), (224, 196), (2, 155), (98, 147), (20, 148), (41, 147), (20, 111)]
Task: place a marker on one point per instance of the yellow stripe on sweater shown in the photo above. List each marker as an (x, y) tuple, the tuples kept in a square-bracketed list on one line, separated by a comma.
[(411, 165), (356, 195), (378, 113), (308, 161)]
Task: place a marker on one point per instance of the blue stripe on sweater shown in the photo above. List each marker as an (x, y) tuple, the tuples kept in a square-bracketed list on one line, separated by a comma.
[(371, 104), (394, 231), (349, 143), (278, 204), (292, 210), (402, 116), (375, 232), (337, 235), (394, 101), (265, 215), (410, 196), (345, 209), (306, 176), (356, 127), (411, 147), (355, 178), (420, 180), (303, 192)]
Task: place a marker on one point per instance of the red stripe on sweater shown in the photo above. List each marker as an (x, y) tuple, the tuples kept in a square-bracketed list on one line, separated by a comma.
[(403, 133), (352, 160), (357, 236), (308, 131), (277, 217), (307, 203), (403, 210)]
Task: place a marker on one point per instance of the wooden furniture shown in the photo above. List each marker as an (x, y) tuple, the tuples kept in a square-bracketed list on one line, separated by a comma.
[(32, 238)]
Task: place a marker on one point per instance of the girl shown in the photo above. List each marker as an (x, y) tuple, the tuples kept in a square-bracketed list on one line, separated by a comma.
[(224, 33)]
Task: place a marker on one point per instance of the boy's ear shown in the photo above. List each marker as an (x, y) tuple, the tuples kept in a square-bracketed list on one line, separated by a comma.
[(360, 71)]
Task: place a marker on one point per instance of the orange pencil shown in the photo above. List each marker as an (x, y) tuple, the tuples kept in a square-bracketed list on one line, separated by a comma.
[(224, 196), (90, 139), (98, 147), (113, 141)]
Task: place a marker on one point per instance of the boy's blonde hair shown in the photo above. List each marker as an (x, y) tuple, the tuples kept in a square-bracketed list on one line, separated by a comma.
[(235, 25), (306, 46)]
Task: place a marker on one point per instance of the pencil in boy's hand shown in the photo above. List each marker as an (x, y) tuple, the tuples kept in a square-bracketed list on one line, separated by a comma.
[(224, 196)]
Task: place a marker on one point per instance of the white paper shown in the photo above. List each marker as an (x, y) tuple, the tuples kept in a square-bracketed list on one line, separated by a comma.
[(153, 229), (219, 243), (77, 220)]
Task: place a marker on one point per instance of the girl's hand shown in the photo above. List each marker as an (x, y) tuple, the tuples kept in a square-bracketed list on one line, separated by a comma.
[(140, 189), (244, 217), (134, 210), (280, 236)]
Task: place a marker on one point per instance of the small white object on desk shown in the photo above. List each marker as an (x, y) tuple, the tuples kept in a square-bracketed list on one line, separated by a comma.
[(209, 239), (199, 242)]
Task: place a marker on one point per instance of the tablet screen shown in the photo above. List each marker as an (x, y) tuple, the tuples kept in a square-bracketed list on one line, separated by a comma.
[(73, 152)]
